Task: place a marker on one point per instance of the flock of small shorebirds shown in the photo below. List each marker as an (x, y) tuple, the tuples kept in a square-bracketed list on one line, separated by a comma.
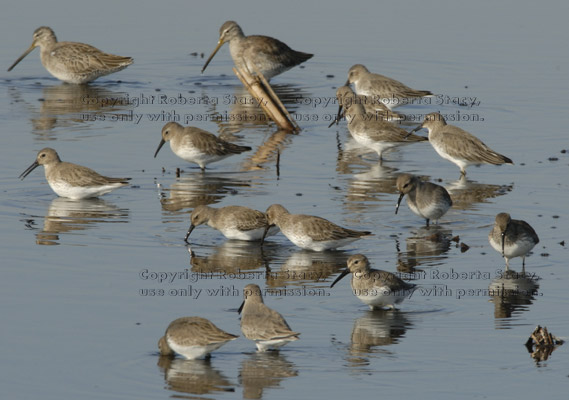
[(368, 122)]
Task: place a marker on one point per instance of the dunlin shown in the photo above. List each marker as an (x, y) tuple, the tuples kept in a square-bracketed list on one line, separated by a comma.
[(310, 232), (458, 146), (512, 238), (391, 92), (72, 180), (269, 55), (265, 326), (196, 145), (234, 222), (376, 133), (73, 62), (193, 337), (426, 199), (374, 287), (346, 97)]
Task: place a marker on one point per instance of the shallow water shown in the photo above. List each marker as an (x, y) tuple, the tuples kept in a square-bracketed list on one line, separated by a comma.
[(78, 319)]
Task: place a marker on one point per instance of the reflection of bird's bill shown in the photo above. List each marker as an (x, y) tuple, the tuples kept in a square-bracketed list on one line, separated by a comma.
[(28, 51), (219, 44)]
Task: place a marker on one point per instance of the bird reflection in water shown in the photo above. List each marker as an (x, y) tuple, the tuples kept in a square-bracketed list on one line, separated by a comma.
[(70, 106), (425, 246), (66, 216), (512, 293), (264, 370), (197, 377)]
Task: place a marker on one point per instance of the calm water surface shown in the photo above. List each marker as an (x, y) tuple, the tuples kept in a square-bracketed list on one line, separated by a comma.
[(78, 319)]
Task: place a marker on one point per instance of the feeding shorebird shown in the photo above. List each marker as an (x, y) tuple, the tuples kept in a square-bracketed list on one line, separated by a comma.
[(196, 145), (374, 287), (311, 232), (73, 62), (193, 338), (261, 324), (426, 199), (71, 180), (234, 222), (374, 106), (457, 145), (512, 238), (271, 56), (391, 92), (375, 133)]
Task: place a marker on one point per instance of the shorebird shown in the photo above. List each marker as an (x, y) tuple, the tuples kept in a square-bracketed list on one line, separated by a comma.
[(73, 62), (234, 222), (391, 92), (261, 324), (310, 232), (372, 105), (192, 337), (374, 287), (375, 133), (196, 145), (457, 145), (269, 55), (426, 199), (512, 238), (71, 180)]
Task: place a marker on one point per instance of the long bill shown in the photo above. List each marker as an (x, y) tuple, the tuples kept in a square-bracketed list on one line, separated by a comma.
[(28, 170), (159, 147), (338, 117), (398, 202), (344, 273), (28, 51), (241, 307), (503, 235), (219, 44), (414, 130), (265, 233), (192, 226)]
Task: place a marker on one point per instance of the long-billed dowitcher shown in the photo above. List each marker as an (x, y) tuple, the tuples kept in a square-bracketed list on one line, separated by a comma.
[(73, 62), (457, 145), (196, 145), (234, 222), (391, 92), (376, 133), (193, 337), (271, 56), (72, 180), (512, 238), (261, 324), (310, 232), (374, 287), (426, 199)]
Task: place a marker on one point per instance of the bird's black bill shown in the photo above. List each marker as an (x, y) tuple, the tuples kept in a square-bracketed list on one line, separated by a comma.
[(188, 234), (398, 202), (159, 147), (344, 273), (28, 170)]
